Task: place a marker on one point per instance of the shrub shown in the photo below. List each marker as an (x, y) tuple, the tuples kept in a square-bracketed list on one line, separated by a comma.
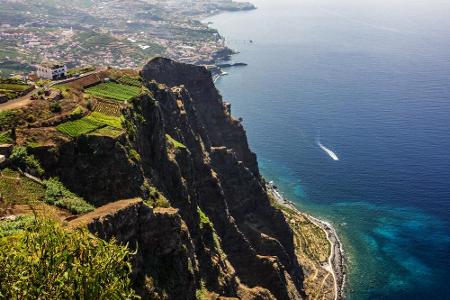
[(57, 194), (46, 261), (8, 228), (89, 104), (77, 113), (6, 137), (20, 158), (174, 142), (55, 107), (134, 155), (8, 119), (204, 220), (155, 198)]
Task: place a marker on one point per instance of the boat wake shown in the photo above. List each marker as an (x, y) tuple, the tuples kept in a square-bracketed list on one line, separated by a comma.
[(327, 151)]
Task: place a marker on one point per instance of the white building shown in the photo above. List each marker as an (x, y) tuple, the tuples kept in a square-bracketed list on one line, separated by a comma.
[(51, 70)]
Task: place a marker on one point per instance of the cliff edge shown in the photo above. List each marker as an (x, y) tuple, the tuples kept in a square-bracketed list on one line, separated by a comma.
[(200, 218)]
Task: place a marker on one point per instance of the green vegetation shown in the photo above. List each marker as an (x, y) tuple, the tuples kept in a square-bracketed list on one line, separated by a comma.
[(80, 70), (202, 293), (174, 142), (108, 108), (77, 113), (155, 198), (107, 120), (6, 137), (46, 261), (57, 194), (11, 227), (17, 189), (204, 220), (89, 124), (12, 88), (79, 127), (107, 131), (21, 159), (55, 107), (128, 80), (134, 155), (8, 119), (115, 91), (92, 39), (43, 82)]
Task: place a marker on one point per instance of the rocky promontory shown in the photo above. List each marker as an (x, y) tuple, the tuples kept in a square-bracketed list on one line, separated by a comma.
[(198, 216)]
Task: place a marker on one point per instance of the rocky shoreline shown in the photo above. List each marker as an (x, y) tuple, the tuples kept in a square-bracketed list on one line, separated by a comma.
[(336, 261)]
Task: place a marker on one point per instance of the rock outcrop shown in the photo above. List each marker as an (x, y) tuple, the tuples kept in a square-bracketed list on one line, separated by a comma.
[(220, 236)]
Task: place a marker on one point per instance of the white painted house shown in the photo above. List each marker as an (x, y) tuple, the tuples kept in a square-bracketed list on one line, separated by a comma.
[(51, 70)]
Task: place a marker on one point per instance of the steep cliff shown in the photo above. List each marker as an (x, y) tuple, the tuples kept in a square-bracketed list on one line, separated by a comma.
[(181, 148)]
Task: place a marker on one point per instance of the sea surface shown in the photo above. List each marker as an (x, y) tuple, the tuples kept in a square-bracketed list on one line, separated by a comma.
[(347, 105)]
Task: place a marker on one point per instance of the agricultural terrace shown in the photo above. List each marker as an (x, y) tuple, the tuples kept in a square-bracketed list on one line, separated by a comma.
[(115, 91), (90, 124), (13, 88), (16, 189), (128, 80), (108, 108)]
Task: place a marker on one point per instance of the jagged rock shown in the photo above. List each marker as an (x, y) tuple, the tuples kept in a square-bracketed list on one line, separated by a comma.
[(222, 233)]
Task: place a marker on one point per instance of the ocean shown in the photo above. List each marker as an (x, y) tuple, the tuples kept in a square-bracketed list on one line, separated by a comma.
[(347, 105)]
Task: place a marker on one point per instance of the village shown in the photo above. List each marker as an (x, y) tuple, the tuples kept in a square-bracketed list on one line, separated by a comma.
[(112, 33)]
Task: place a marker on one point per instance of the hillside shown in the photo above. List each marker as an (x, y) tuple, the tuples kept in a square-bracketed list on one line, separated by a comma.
[(156, 161)]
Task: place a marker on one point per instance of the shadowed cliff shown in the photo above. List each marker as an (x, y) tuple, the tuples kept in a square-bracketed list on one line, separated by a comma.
[(217, 234)]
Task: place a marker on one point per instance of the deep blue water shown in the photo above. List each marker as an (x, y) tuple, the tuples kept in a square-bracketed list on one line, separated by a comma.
[(371, 79)]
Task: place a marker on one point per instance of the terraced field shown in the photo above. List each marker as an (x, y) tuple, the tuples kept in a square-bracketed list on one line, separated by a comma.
[(129, 81), (108, 108), (115, 91), (91, 123), (13, 88), (16, 189)]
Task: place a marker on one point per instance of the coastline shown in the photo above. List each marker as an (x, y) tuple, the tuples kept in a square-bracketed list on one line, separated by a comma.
[(336, 260)]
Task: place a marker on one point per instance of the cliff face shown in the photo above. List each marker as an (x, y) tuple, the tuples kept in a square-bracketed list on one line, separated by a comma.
[(221, 238)]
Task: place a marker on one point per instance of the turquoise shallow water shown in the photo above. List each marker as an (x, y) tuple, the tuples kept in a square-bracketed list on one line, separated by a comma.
[(371, 79)]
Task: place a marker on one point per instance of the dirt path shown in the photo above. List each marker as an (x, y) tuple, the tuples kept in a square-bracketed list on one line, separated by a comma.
[(18, 102), (25, 100)]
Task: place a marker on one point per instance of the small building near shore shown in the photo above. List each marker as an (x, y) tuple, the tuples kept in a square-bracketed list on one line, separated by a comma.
[(51, 70)]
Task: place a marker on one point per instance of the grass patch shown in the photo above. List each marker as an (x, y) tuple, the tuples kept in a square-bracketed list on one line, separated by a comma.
[(107, 120), (128, 80), (14, 87), (89, 124), (155, 198), (115, 91), (8, 119), (6, 137), (204, 220), (57, 194), (79, 127), (108, 108), (17, 189), (174, 142), (80, 70), (107, 131)]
